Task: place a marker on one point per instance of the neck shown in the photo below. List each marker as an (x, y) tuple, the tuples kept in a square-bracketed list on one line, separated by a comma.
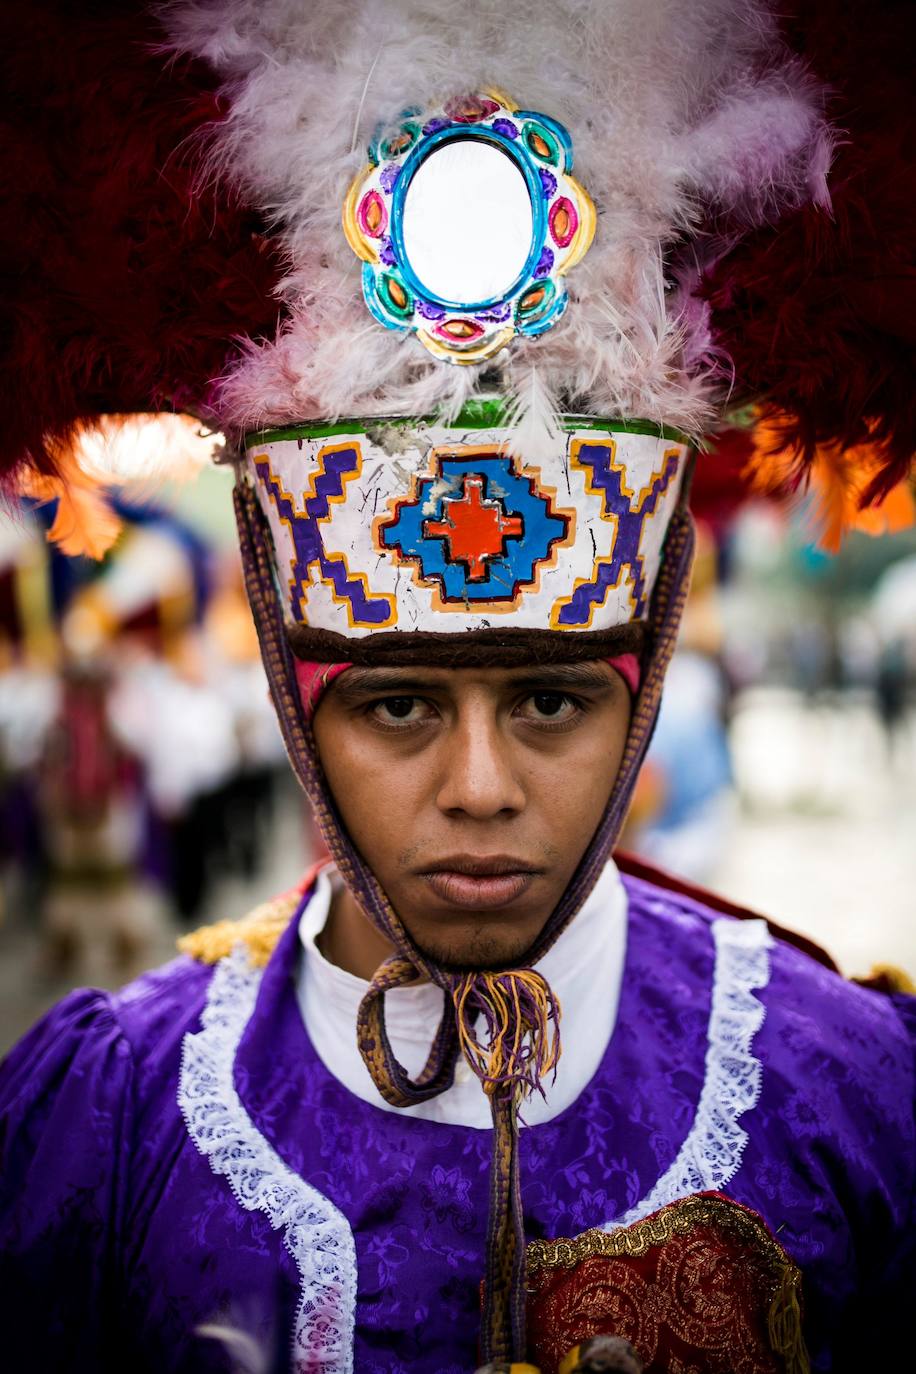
[(350, 940)]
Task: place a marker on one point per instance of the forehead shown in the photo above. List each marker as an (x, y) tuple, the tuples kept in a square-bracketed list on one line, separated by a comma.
[(589, 674)]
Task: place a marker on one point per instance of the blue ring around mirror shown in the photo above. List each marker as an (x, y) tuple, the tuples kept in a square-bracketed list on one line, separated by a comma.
[(369, 287), (418, 155), (548, 319)]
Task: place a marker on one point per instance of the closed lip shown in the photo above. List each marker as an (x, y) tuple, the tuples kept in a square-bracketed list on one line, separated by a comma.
[(470, 866), (472, 883)]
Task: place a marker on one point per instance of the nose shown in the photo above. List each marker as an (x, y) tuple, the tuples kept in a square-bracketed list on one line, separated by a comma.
[(478, 778)]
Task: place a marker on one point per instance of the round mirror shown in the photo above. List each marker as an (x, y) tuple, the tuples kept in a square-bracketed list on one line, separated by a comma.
[(467, 222)]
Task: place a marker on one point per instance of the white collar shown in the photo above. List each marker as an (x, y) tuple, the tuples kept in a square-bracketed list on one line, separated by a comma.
[(584, 968)]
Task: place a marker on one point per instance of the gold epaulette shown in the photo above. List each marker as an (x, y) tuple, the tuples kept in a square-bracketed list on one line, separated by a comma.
[(259, 932), (890, 978)]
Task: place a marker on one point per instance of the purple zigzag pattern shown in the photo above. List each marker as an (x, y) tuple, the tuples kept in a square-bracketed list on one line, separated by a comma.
[(306, 534), (630, 521)]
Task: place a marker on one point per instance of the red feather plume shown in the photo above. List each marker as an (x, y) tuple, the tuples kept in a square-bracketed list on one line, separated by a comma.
[(124, 280), (819, 314)]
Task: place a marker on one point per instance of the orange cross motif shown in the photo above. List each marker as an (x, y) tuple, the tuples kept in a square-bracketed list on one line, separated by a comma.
[(476, 529)]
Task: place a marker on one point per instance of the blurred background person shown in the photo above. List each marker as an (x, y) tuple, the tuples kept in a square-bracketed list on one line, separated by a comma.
[(141, 766)]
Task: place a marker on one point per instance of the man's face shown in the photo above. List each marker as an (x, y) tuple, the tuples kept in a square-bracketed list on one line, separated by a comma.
[(473, 793)]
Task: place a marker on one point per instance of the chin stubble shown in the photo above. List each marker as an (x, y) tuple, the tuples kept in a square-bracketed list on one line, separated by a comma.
[(481, 951)]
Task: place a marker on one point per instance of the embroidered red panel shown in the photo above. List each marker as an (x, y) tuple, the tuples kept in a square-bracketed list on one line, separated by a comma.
[(699, 1287)]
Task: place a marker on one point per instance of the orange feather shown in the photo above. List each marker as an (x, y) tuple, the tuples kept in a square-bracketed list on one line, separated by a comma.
[(837, 479)]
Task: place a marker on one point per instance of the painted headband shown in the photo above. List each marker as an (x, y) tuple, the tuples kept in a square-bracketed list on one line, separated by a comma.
[(410, 526)]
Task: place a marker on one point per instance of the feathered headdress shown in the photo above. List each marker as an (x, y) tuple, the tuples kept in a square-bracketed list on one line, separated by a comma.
[(173, 173)]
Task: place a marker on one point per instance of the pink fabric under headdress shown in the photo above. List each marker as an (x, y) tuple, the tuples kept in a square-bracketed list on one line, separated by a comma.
[(315, 678)]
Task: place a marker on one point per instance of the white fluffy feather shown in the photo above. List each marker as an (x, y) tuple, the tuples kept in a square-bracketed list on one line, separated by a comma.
[(146, 448), (678, 109)]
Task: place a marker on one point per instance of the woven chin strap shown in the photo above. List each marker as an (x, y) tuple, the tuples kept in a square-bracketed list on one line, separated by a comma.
[(506, 1022)]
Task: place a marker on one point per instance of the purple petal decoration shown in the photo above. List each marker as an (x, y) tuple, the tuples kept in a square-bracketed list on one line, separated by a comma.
[(545, 262), (505, 127), (498, 313), (548, 181), (430, 311), (432, 126), (387, 254), (387, 177)]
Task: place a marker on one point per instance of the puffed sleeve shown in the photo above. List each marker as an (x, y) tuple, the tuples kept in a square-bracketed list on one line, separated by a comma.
[(879, 1323), (901, 1276), (65, 1102)]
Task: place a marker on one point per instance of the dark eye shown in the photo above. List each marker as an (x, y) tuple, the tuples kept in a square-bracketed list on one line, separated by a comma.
[(399, 707), (549, 703), (555, 707), (401, 711)]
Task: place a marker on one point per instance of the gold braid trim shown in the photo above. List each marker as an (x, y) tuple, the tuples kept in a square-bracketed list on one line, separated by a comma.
[(678, 1218), (674, 1220), (259, 932)]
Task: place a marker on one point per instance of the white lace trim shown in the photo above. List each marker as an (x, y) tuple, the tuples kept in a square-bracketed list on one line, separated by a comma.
[(316, 1234), (711, 1154)]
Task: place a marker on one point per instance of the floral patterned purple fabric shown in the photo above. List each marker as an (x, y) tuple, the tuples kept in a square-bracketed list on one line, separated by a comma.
[(126, 1225)]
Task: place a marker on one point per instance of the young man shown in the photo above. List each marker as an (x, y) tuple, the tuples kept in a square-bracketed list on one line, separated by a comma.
[(341, 1134)]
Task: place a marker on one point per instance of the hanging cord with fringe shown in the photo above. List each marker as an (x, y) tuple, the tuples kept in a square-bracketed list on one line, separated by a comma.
[(521, 1045), (522, 1022), (511, 1052)]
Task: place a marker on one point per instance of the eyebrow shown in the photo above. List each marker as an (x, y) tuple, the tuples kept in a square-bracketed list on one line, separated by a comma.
[(552, 677)]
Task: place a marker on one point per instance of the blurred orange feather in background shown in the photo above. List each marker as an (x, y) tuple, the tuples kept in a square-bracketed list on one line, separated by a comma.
[(837, 481)]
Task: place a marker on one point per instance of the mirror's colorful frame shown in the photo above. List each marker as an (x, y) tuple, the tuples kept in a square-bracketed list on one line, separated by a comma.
[(563, 226)]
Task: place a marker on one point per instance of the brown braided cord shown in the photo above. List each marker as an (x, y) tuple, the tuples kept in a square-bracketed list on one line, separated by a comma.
[(503, 1318), (266, 606), (388, 1074), (503, 1333), (267, 614)]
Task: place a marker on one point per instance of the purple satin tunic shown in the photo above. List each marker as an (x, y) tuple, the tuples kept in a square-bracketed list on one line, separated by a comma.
[(160, 1174)]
